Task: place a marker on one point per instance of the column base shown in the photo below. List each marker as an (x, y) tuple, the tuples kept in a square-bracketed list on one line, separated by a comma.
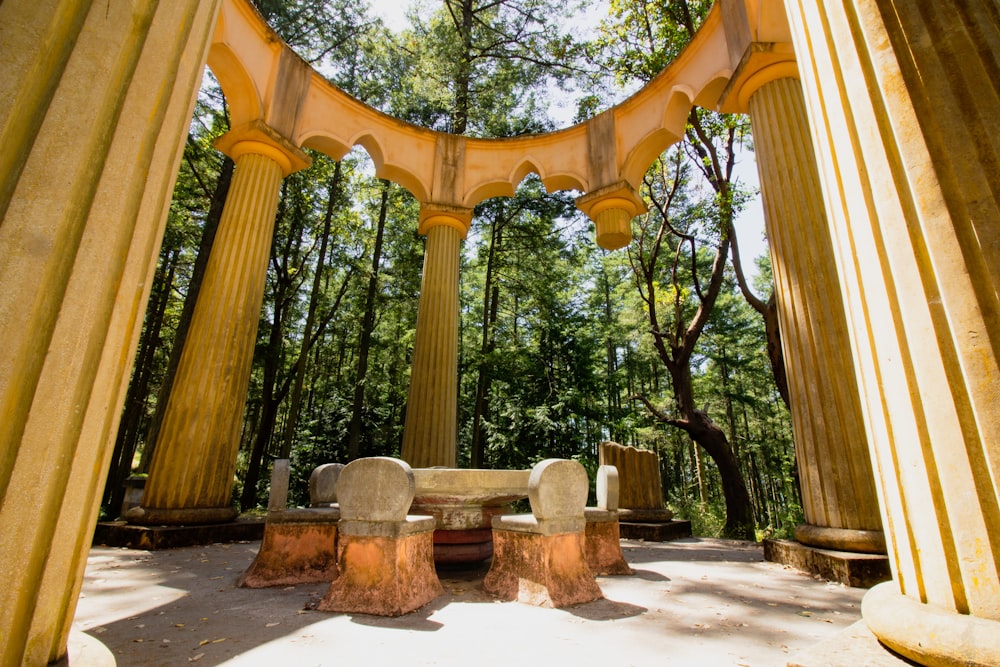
[(654, 531), (928, 634), (841, 539), (844, 567), (154, 538), (852, 647), (82, 649), (184, 516)]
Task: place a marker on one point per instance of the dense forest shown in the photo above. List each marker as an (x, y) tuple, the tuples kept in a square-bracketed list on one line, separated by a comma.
[(665, 345)]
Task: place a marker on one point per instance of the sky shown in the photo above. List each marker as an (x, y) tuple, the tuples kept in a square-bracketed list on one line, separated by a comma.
[(749, 224)]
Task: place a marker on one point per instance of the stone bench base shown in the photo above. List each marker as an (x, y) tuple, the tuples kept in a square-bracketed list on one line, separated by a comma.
[(294, 553), (385, 576), (604, 549), (543, 570)]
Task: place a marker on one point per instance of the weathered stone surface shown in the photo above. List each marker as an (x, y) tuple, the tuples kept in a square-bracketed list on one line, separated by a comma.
[(607, 488), (153, 538), (539, 558), (603, 541), (543, 570), (603, 548), (375, 489), (386, 558), (841, 539), (853, 647), (277, 498), (323, 484), (384, 576), (638, 473), (557, 490), (294, 553), (654, 532), (845, 567)]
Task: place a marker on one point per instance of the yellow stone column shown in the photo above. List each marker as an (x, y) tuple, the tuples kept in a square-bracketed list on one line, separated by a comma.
[(430, 432), (831, 444), (96, 107), (191, 474), (904, 100)]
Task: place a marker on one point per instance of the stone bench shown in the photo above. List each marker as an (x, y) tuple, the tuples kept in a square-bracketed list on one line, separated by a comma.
[(603, 544), (386, 557), (299, 544), (538, 558)]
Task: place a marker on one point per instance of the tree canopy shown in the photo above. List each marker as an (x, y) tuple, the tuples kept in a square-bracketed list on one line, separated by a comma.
[(562, 345)]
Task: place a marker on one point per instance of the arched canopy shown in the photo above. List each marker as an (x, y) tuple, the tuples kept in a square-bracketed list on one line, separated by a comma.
[(265, 81)]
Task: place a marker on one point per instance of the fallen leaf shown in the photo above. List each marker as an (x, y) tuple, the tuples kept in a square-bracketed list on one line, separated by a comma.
[(196, 658), (271, 625), (220, 639), (178, 625), (214, 578)]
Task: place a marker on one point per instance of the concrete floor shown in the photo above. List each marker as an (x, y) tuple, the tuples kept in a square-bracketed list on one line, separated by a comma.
[(695, 601)]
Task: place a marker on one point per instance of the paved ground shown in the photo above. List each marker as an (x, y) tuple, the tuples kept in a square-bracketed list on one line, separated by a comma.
[(692, 602)]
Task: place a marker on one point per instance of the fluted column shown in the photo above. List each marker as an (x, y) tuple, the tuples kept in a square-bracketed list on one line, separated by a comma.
[(191, 474), (431, 430), (904, 99), (831, 444), (96, 106)]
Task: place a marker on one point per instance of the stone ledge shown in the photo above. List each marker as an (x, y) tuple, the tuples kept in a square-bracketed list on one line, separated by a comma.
[(852, 647), (154, 538), (844, 567), (655, 532)]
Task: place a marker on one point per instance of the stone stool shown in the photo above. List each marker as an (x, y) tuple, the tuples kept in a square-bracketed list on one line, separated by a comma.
[(386, 557), (538, 558), (299, 545), (603, 544)]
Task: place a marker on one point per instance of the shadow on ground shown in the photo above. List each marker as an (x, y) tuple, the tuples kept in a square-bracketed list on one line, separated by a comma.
[(691, 602)]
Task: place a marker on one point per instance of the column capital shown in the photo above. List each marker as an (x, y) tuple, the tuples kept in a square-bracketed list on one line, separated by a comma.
[(447, 215), (762, 63), (259, 138), (612, 208), (760, 50)]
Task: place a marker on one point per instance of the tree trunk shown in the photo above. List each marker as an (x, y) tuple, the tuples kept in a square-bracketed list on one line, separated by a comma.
[(774, 353), (739, 512), (138, 390), (295, 402), (269, 401), (367, 327), (491, 299)]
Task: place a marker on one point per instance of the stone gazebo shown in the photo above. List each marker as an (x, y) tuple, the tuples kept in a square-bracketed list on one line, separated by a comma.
[(873, 123)]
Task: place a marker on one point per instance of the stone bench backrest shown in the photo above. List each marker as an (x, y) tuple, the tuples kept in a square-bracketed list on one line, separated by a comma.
[(323, 484), (557, 489), (607, 488), (375, 489)]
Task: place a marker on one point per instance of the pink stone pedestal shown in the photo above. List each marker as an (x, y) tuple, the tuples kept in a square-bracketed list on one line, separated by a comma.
[(385, 576), (294, 553), (543, 570), (604, 550)]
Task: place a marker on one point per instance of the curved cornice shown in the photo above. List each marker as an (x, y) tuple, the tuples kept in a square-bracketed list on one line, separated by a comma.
[(265, 81)]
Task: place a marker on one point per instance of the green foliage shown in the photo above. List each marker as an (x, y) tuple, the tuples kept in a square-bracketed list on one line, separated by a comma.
[(554, 331)]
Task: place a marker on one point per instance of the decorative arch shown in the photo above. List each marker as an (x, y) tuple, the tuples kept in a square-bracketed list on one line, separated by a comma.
[(238, 86)]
